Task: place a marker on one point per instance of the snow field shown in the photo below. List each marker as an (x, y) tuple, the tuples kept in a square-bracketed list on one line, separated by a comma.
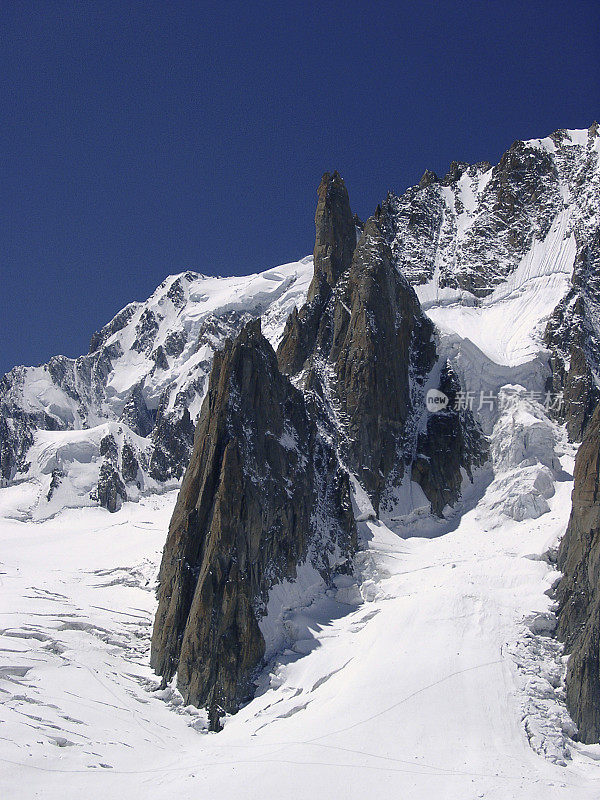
[(429, 676)]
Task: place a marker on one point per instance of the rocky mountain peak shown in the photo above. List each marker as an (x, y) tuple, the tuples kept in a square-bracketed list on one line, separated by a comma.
[(455, 172), (263, 493), (335, 233), (371, 337), (335, 241), (428, 178), (365, 352)]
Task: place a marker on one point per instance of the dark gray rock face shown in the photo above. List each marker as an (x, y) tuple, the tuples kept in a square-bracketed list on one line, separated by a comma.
[(477, 222), (335, 233), (518, 203), (175, 343), (173, 438), (372, 337), (263, 493), (109, 449), (55, 482), (455, 172), (136, 415), (572, 332), (365, 349), (579, 589), (335, 242), (413, 227), (160, 359), (145, 331), (216, 328), (120, 466), (111, 492), (17, 428), (129, 464), (572, 338), (450, 442), (428, 178)]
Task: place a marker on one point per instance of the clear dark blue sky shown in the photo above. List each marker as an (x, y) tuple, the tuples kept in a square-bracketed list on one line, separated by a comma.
[(141, 138)]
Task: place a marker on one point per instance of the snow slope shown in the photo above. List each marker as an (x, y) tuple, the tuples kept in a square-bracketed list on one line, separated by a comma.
[(507, 324), (182, 304), (431, 676)]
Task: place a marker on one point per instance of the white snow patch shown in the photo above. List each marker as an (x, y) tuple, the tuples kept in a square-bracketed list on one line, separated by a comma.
[(507, 325)]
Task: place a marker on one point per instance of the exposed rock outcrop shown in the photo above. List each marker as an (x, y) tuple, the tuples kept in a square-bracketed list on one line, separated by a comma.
[(335, 233), (263, 493), (365, 351), (111, 491), (130, 466), (475, 225), (572, 337), (335, 242), (428, 178), (172, 440), (109, 450), (55, 481), (449, 445), (145, 330), (17, 428), (579, 589), (371, 343)]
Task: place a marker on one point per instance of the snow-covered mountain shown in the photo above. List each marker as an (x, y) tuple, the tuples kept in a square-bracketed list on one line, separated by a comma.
[(142, 383), (428, 667), (490, 251), (471, 229)]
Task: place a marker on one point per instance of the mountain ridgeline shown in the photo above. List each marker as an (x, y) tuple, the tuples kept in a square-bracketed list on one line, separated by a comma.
[(456, 239), (347, 387)]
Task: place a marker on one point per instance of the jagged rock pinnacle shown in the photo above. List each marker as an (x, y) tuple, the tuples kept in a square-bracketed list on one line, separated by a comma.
[(335, 232), (263, 493)]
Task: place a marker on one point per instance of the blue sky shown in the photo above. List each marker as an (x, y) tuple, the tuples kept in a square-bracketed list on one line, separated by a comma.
[(139, 139)]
